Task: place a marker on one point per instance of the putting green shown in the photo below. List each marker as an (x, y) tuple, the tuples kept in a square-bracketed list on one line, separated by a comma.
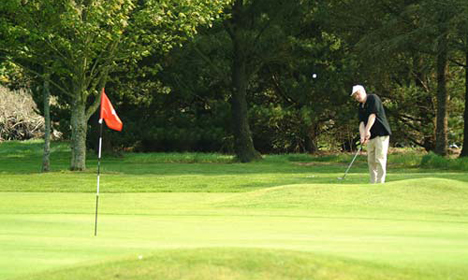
[(419, 226)]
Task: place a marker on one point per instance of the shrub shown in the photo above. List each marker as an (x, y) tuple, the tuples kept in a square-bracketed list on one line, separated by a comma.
[(18, 117)]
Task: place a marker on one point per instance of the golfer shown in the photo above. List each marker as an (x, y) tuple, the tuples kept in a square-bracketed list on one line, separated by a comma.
[(374, 131)]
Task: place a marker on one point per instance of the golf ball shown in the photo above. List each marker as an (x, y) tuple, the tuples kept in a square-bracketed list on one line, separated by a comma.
[(314, 76), (140, 257)]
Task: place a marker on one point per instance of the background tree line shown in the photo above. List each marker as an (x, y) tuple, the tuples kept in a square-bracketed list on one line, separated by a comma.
[(237, 76)]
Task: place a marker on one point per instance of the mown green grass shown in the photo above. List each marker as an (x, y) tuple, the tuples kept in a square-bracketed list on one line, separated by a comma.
[(190, 172), (234, 263), (55, 230), (193, 216)]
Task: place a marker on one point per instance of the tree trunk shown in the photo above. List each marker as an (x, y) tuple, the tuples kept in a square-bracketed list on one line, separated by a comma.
[(464, 151), (243, 143), (78, 137), (46, 155), (442, 96), (311, 139), (311, 145)]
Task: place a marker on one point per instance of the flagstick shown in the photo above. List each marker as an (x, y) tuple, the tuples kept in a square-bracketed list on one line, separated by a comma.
[(98, 175)]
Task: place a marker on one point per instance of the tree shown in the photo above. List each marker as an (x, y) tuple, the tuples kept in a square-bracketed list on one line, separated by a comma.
[(250, 22), (284, 45), (237, 28), (302, 87), (87, 40), (47, 129), (414, 31), (460, 44), (464, 152)]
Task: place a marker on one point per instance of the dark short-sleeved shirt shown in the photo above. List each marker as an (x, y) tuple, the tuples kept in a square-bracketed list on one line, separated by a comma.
[(374, 105)]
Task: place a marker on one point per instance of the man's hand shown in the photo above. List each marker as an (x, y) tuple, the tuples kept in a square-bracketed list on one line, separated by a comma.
[(367, 136), (365, 132)]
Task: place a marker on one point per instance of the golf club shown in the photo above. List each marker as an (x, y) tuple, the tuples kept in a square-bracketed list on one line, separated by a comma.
[(354, 158)]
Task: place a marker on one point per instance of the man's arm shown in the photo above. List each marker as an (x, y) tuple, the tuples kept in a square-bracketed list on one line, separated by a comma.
[(367, 128), (362, 132)]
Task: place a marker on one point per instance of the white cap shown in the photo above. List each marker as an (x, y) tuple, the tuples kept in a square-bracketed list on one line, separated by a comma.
[(357, 88)]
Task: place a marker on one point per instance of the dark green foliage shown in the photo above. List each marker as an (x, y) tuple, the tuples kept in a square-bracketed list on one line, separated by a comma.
[(183, 100), (432, 160)]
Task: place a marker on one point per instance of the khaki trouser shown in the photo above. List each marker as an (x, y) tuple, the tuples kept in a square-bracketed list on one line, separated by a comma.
[(377, 149)]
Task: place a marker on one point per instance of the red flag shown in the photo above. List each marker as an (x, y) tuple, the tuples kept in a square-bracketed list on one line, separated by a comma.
[(108, 113)]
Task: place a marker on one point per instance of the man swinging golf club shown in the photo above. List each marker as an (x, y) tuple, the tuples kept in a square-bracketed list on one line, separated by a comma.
[(374, 131)]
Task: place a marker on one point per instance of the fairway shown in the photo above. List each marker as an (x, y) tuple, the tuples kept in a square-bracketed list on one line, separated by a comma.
[(231, 221)]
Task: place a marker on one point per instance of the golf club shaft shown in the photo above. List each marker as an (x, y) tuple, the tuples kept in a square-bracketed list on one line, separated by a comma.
[(354, 158)]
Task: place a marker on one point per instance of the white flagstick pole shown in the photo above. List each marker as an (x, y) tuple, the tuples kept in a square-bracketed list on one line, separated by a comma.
[(98, 175)]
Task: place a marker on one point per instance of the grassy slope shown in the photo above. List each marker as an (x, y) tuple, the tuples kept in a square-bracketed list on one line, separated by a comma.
[(297, 227), (233, 263)]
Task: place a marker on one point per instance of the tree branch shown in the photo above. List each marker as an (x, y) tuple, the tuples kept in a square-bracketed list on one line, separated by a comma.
[(211, 64), (28, 69), (457, 63), (100, 84)]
